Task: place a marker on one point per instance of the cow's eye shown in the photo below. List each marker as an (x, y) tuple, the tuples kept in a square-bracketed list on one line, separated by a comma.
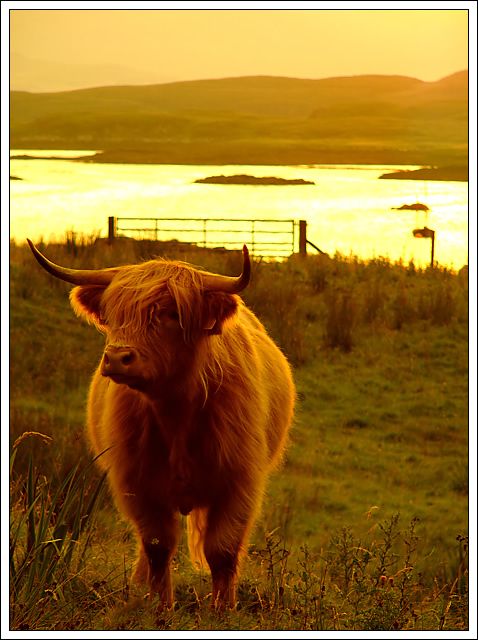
[(173, 315), (158, 315)]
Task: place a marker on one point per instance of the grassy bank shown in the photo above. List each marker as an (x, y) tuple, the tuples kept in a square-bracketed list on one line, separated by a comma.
[(365, 525)]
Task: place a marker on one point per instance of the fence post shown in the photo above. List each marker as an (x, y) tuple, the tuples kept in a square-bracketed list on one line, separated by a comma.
[(303, 237), (111, 229)]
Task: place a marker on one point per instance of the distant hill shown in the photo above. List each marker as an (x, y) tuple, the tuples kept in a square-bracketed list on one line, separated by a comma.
[(255, 120)]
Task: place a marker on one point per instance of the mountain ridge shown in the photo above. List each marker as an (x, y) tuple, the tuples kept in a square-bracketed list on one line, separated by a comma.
[(459, 75)]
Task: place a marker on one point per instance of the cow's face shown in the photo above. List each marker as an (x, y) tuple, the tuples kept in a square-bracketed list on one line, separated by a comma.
[(156, 316)]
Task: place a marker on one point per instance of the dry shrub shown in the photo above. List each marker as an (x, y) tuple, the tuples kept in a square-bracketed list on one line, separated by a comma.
[(437, 304), (320, 271), (401, 309), (373, 302), (341, 320)]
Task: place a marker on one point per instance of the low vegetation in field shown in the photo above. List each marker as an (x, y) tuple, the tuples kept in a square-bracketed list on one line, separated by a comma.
[(363, 527)]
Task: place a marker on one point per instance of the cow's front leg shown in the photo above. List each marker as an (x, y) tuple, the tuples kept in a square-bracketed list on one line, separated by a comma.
[(224, 544), (158, 544), (223, 565)]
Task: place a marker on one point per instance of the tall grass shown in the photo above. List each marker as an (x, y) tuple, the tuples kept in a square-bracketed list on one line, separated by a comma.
[(50, 533)]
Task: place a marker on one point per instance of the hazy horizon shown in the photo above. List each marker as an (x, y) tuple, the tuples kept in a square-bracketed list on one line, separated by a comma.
[(138, 47)]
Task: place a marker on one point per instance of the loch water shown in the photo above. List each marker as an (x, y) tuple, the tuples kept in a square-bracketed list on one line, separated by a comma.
[(348, 209)]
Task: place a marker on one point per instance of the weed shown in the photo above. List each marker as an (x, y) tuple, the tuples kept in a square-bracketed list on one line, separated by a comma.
[(273, 559), (375, 591), (309, 592)]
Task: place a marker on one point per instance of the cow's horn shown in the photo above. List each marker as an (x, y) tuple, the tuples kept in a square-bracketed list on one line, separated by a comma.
[(212, 282), (74, 276)]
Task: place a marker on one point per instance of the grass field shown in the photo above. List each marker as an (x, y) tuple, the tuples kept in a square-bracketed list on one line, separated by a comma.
[(364, 527)]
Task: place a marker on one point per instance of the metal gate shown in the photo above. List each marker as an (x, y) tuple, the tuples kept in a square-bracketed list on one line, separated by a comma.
[(263, 237)]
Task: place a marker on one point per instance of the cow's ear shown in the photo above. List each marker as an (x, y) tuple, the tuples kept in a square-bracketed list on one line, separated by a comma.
[(86, 301), (218, 308)]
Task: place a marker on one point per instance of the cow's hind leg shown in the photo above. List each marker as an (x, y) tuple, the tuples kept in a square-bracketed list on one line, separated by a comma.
[(158, 543)]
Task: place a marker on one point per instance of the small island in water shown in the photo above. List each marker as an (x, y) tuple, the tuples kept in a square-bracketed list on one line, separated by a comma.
[(245, 179), (416, 206), (457, 173)]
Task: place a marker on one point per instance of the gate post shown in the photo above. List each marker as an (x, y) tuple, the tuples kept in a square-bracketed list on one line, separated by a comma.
[(303, 237), (111, 229)]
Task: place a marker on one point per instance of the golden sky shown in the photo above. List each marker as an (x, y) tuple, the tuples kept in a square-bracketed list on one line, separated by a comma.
[(58, 49)]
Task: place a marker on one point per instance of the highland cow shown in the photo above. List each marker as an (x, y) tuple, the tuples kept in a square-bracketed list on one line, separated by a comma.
[(188, 410)]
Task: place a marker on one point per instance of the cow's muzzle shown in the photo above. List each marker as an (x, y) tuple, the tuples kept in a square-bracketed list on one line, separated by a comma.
[(121, 364)]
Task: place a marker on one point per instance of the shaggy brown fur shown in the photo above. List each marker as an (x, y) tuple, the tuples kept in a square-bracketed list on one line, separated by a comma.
[(190, 409)]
